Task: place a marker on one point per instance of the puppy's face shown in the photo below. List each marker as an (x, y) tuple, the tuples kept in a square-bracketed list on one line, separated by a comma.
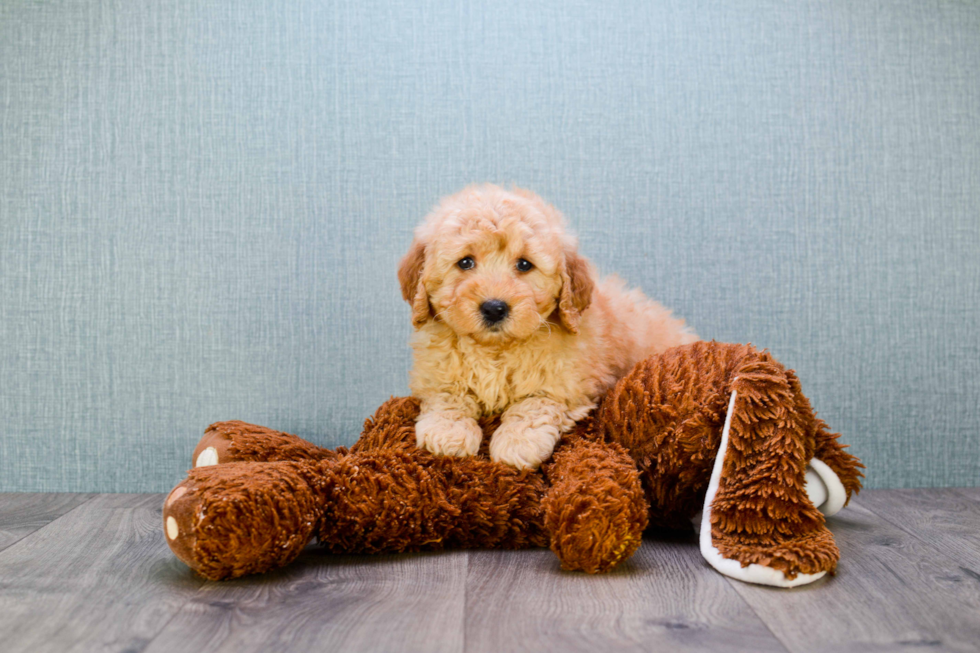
[(494, 265), (493, 277)]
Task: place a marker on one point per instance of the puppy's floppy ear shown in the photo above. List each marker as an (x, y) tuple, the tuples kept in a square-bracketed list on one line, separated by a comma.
[(410, 278), (577, 284)]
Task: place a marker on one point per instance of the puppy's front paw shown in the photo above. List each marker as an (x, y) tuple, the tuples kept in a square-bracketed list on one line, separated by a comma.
[(522, 446), (448, 434)]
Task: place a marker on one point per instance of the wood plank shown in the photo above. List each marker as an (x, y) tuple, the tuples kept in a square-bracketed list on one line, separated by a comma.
[(411, 602), (970, 492), (892, 591), (663, 598), (947, 519), (22, 513), (99, 578)]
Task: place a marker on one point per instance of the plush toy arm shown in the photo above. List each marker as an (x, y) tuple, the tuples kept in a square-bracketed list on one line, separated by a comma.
[(236, 441), (595, 511)]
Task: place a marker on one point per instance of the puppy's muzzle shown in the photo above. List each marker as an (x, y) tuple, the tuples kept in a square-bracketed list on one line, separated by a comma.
[(494, 311)]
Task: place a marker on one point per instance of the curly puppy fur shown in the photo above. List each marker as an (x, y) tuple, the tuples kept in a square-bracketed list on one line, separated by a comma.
[(565, 338)]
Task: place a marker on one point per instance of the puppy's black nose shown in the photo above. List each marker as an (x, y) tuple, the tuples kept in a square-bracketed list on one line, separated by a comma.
[(494, 310)]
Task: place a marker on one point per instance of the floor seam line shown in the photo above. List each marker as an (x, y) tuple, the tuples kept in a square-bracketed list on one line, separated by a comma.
[(92, 496), (466, 601), (734, 585), (176, 614), (939, 553)]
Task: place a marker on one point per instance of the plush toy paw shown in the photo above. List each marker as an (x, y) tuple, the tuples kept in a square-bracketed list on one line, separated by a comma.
[(519, 445), (214, 447), (448, 434), (226, 521)]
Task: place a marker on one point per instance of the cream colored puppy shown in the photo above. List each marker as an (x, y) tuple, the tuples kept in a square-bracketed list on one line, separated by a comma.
[(509, 319)]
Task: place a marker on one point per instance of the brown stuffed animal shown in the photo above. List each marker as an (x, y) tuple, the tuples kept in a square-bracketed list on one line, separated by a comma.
[(718, 429)]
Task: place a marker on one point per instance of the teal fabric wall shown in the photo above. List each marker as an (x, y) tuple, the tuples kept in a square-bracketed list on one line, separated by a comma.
[(203, 204)]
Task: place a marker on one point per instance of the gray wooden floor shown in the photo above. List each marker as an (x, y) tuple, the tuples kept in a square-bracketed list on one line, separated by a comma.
[(93, 573)]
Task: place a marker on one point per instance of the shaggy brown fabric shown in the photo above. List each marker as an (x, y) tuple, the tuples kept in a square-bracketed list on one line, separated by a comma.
[(391, 427), (243, 517), (237, 441), (382, 496), (594, 510), (644, 455), (392, 501), (669, 411)]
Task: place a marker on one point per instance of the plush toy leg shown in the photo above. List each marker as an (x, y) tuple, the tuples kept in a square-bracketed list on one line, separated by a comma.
[(236, 441), (241, 518), (233, 519), (595, 511), (391, 427), (758, 524)]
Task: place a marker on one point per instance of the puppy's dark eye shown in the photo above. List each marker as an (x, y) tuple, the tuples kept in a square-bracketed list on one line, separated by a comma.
[(524, 265), (466, 263)]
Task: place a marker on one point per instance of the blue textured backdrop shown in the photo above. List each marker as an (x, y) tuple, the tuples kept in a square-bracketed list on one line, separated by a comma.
[(203, 204)]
